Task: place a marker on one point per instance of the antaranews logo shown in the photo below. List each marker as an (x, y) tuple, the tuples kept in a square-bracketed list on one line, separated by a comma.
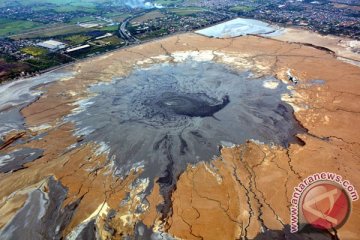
[(322, 200)]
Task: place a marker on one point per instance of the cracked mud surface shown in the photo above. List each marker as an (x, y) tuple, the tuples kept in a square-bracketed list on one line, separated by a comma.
[(242, 194), (169, 115)]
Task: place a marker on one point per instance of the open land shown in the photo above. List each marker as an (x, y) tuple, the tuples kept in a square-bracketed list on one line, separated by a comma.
[(78, 185), (27, 23)]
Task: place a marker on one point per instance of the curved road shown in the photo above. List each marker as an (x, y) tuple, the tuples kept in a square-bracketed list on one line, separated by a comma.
[(125, 34)]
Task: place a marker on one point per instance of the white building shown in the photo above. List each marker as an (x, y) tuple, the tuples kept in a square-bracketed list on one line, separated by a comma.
[(69, 50), (52, 45)]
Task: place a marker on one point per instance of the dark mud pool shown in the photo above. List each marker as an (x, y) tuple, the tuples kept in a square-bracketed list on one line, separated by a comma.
[(169, 115)]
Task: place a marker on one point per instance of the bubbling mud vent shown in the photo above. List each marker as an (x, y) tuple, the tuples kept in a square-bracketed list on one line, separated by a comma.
[(191, 105), (167, 116)]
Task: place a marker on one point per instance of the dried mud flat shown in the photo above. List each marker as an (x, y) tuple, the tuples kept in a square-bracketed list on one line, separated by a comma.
[(72, 188), (345, 49)]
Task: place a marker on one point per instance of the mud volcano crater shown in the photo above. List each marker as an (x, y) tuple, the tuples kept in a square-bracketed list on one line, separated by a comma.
[(191, 105), (169, 115)]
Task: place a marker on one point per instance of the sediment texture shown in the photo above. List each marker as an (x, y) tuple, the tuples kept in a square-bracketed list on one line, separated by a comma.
[(242, 194)]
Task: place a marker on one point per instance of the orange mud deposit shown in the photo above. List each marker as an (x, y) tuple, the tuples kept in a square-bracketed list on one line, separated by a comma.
[(242, 194)]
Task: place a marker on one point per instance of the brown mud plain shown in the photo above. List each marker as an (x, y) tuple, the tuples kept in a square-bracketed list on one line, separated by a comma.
[(71, 190)]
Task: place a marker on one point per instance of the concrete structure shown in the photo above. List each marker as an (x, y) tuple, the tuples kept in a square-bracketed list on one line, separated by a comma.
[(88, 25), (77, 48), (104, 36), (52, 45)]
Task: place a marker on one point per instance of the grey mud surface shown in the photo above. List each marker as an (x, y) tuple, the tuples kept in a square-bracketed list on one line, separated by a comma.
[(15, 160), (169, 115), (42, 216), (18, 94)]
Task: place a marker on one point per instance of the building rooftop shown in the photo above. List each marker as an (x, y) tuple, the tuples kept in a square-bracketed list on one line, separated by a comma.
[(52, 44)]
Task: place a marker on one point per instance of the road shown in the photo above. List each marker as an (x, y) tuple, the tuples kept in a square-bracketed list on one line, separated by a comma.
[(125, 34)]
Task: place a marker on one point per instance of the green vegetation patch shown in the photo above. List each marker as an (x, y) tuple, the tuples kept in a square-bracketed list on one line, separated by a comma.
[(153, 34), (74, 8), (113, 40), (117, 16), (10, 27), (46, 61), (187, 11), (52, 31), (77, 39), (241, 9), (11, 68), (34, 51), (82, 3), (82, 19), (56, 5), (42, 63), (148, 16), (112, 28), (168, 2)]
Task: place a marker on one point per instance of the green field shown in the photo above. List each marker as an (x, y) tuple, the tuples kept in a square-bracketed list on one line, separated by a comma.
[(118, 17), (112, 28), (72, 8), (9, 27), (34, 51), (187, 11), (83, 3), (51, 31), (113, 40), (82, 19), (241, 9), (77, 39), (168, 2), (57, 5), (99, 46), (44, 62)]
